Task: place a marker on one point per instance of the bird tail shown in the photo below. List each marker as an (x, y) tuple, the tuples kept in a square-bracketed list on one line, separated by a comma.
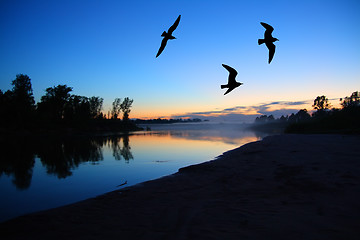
[(163, 34), (223, 86), (261, 41)]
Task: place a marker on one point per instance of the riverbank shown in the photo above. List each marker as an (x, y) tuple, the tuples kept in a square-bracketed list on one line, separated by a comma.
[(283, 187)]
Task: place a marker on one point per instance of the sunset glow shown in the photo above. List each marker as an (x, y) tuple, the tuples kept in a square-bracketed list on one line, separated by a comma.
[(108, 49)]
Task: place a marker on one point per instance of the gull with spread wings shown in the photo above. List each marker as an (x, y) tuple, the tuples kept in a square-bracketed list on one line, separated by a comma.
[(168, 35), (232, 83), (268, 40)]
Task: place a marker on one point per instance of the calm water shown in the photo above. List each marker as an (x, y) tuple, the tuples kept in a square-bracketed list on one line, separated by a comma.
[(37, 174)]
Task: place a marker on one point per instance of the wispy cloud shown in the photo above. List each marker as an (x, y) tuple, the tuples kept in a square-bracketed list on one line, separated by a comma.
[(249, 113)]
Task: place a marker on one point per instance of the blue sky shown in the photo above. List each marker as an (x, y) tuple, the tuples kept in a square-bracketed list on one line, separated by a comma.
[(107, 49)]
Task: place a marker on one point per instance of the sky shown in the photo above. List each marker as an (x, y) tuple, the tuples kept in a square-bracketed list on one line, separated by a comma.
[(107, 48)]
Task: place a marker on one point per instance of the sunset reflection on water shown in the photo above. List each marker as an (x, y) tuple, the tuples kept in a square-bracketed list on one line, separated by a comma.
[(52, 172)]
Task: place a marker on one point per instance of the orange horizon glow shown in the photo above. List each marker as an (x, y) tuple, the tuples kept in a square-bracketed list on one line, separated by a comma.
[(247, 110)]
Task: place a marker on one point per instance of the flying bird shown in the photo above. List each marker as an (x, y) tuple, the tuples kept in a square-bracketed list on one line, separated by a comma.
[(232, 83), (268, 40), (168, 35)]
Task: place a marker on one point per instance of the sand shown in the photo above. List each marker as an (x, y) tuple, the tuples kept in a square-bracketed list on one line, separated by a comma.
[(283, 187)]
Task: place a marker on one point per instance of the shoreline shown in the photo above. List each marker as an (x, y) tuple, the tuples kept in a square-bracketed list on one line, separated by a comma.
[(283, 187)]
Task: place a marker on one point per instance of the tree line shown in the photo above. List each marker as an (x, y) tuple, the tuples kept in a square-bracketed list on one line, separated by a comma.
[(167, 121), (324, 119), (58, 107)]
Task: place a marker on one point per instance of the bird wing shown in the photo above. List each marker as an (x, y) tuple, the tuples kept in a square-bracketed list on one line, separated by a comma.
[(271, 48), (229, 90), (267, 26), (269, 29), (162, 46), (232, 74), (174, 26)]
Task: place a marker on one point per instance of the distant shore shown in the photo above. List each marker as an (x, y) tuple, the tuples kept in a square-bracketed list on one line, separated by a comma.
[(111, 127), (283, 187)]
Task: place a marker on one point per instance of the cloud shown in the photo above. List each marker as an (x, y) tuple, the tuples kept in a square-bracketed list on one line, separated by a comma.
[(297, 103), (208, 112), (235, 108), (280, 107), (249, 113)]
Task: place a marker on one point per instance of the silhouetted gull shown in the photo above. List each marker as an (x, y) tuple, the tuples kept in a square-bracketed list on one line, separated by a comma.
[(167, 35), (232, 83), (268, 40)]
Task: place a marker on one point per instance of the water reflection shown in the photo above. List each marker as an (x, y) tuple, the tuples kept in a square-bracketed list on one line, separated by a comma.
[(119, 151), (59, 156), (41, 167), (17, 160)]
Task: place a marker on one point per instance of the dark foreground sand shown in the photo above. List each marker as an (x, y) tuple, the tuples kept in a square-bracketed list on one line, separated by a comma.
[(284, 187)]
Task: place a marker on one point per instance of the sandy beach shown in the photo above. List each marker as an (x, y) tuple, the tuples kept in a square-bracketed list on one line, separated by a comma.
[(283, 187)]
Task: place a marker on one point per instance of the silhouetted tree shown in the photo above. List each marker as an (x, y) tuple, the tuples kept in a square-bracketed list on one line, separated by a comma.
[(17, 105), (7, 110), (321, 103), (270, 118), (77, 109), (264, 119), (352, 101), (53, 103), (283, 118), (22, 97), (261, 119), (22, 91), (302, 116), (292, 118), (126, 108), (116, 108), (95, 106)]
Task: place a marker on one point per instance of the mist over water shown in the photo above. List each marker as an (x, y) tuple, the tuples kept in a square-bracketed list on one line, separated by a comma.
[(227, 132), (43, 173)]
